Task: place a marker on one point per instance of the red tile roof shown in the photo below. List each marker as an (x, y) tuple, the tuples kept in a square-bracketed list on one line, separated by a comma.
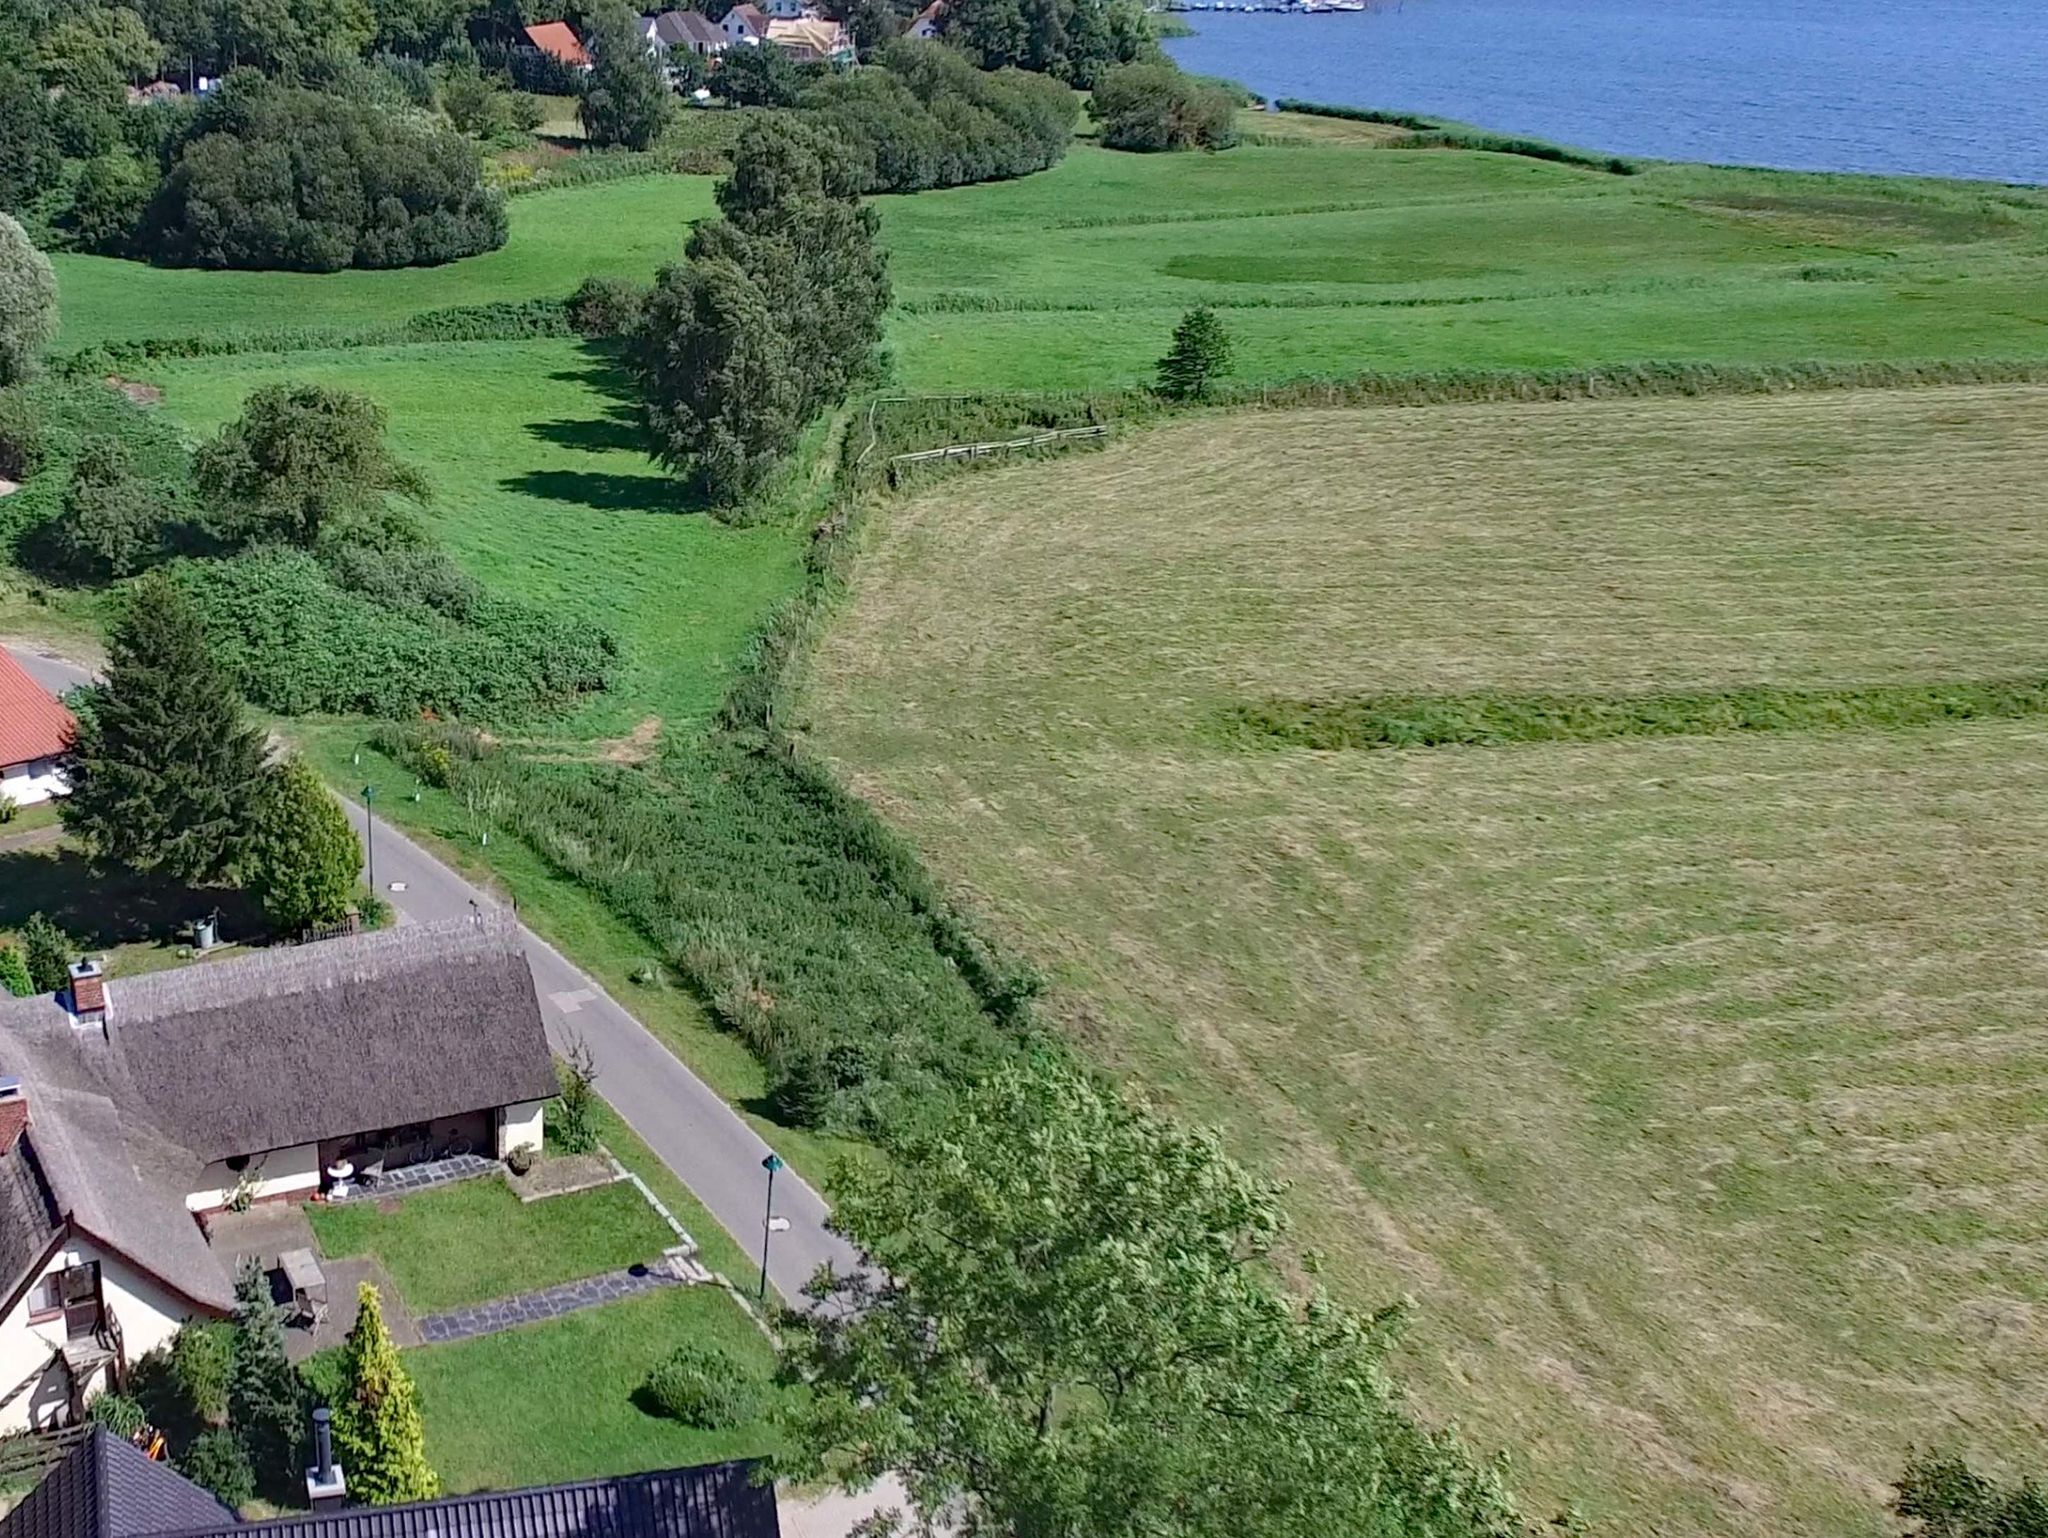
[(32, 725), (557, 38)]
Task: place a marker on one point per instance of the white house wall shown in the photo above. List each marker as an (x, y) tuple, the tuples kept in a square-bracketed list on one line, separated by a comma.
[(149, 1315), (281, 1172), (520, 1124), (32, 783)]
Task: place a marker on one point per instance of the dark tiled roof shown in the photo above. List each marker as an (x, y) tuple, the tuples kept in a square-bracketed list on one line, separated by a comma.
[(106, 1488), (696, 27), (715, 1500), (28, 1218), (299, 1043)]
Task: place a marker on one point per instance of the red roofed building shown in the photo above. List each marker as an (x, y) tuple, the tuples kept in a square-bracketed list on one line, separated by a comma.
[(559, 39), (33, 731)]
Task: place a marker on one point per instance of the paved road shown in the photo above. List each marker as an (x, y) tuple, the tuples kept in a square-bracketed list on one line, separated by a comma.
[(687, 1124)]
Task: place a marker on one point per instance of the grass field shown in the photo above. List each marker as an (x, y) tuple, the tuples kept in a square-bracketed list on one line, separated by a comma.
[(542, 491), (1693, 1084)]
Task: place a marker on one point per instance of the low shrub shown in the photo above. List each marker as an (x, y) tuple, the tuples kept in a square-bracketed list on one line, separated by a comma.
[(607, 307), (118, 1414), (22, 426), (701, 1385), (1428, 133), (1356, 114), (218, 1461), (200, 1366), (1153, 106)]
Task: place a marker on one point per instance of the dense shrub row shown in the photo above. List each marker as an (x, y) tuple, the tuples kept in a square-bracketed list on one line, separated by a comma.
[(1497, 719), (1427, 133), (1154, 106), (275, 176), (298, 642), (504, 320), (805, 925), (927, 118)]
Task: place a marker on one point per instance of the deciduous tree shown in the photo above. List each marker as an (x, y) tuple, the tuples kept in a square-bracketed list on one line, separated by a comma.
[(28, 297), (302, 461), (164, 768), (377, 1424), (1065, 1330), (302, 858), (625, 101), (112, 522)]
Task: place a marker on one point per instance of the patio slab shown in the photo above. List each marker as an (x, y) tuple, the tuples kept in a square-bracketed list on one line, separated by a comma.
[(265, 1232)]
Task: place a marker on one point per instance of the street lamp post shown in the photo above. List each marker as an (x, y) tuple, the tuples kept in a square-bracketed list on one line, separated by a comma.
[(370, 832), (771, 1164)]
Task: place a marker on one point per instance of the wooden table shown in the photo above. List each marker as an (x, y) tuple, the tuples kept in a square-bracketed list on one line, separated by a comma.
[(308, 1283)]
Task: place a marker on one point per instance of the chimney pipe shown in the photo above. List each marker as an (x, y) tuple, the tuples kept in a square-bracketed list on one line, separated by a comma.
[(326, 1487)]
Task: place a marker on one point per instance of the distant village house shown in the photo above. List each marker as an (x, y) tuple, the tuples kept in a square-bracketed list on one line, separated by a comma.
[(683, 31), (925, 25), (745, 24), (812, 40), (559, 40)]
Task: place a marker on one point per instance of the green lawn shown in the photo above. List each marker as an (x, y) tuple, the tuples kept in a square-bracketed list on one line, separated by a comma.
[(475, 1241), (554, 1401), (621, 229), (137, 921), (542, 492)]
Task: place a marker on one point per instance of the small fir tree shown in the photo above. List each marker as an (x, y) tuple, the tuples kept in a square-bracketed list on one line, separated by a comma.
[(48, 954), (378, 1425), (1200, 353), (163, 769), (303, 857), (265, 1400), (14, 973)]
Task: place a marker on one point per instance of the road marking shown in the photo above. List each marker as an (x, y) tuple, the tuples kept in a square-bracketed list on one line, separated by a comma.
[(570, 1002)]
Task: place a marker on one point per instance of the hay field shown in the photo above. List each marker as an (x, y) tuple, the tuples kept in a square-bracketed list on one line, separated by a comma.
[(1695, 1085)]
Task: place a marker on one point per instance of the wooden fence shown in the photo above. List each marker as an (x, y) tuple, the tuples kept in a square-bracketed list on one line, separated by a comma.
[(1005, 446), (26, 1455)]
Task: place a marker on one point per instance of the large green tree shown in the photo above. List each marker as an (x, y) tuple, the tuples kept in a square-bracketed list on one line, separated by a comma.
[(28, 298), (625, 101), (1943, 1497), (302, 858), (377, 1424), (1066, 1329), (164, 769), (301, 462), (30, 160), (777, 309)]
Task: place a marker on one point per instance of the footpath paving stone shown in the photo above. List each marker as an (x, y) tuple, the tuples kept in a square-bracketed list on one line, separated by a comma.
[(546, 1303)]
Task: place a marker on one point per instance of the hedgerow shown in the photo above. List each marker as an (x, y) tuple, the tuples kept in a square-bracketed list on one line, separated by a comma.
[(505, 320), (1428, 133), (1498, 719)]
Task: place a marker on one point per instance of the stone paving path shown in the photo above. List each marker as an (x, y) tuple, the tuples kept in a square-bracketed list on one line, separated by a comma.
[(421, 1177), (548, 1303)]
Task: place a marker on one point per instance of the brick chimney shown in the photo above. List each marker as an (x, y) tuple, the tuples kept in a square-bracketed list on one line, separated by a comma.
[(13, 1114), (88, 993)]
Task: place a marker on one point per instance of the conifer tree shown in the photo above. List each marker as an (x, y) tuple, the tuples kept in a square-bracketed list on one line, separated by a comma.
[(163, 769), (383, 1442), (48, 952), (265, 1401), (14, 976), (1201, 350)]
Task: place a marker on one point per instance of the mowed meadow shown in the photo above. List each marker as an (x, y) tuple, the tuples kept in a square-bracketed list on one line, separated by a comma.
[(1693, 1085)]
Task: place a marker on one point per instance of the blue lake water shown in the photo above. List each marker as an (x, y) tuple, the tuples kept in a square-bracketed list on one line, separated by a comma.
[(1931, 87)]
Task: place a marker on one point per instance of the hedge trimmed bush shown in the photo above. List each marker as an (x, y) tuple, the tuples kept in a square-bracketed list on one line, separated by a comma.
[(701, 1385), (219, 1462)]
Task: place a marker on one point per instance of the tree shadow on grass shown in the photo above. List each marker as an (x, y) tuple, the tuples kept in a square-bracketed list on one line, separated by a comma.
[(618, 428), (607, 493), (103, 909)]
